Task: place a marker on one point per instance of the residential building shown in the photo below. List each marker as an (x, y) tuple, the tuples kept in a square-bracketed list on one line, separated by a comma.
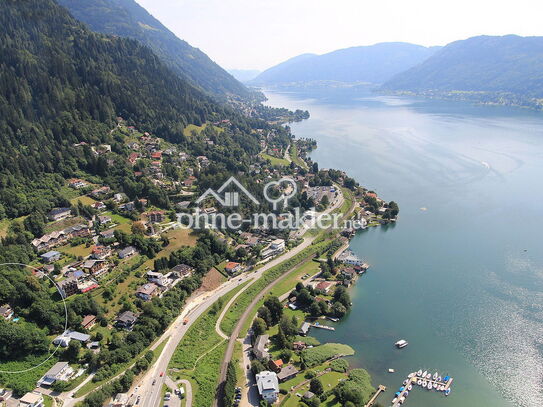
[(88, 321), (108, 234), (51, 256), (127, 252), (183, 270), (99, 206), (104, 219), (100, 252), (33, 399), (6, 312), (147, 291), (76, 183), (286, 373), (275, 365), (348, 257), (126, 320), (268, 386), (68, 287), (158, 278), (61, 371), (59, 214), (232, 267), (155, 216), (260, 347), (64, 339), (96, 267), (324, 286)]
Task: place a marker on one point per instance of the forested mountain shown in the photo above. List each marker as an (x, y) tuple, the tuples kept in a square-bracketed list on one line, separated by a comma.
[(62, 84), (491, 66), (375, 64), (126, 18)]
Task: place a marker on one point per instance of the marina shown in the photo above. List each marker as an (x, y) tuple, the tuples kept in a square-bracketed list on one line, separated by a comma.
[(424, 380)]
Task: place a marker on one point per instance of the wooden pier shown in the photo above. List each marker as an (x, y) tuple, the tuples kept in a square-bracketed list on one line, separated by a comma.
[(373, 399), (329, 328)]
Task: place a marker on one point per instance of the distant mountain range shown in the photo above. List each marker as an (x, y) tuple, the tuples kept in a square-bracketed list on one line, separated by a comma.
[(244, 75), (485, 66), (126, 18), (373, 64)]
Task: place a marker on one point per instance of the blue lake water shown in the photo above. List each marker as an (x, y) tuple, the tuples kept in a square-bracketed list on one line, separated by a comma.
[(460, 276)]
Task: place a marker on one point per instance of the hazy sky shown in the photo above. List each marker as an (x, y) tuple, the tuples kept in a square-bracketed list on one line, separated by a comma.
[(256, 34)]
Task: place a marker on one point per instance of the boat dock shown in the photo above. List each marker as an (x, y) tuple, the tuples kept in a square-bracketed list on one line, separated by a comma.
[(317, 325), (373, 399), (413, 380)]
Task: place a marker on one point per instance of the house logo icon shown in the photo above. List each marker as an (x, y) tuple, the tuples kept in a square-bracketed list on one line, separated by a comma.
[(230, 199)]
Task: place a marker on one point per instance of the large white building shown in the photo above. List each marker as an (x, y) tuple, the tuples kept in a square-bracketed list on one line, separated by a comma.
[(60, 371), (268, 386)]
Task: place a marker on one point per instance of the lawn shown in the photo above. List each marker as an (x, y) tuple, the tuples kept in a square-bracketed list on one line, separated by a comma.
[(81, 250), (320, 354), (275, 161), (288, 284), (295, 157), (63, 224), (84, 199), (187, 131), (178, 239)]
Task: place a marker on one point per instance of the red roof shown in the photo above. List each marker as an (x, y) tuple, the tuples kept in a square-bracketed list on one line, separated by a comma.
[(323, 285), (157, 154), (231, 265)]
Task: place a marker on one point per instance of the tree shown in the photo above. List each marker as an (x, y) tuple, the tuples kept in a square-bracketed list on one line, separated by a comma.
[(314, 309), (265, 314), (288, 327), (138, 228), (338, 310), (257, 366), (281, 339), (259, 327), (72, 352), (315, 386), (275, 307)]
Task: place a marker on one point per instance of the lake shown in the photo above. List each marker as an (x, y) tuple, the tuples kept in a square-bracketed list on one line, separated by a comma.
[(460, 276)]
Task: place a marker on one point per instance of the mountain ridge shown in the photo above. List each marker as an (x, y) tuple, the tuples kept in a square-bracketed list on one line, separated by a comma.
[(373, 64)]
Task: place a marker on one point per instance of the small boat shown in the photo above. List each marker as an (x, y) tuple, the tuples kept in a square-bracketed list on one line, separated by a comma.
[(435, 376), (410, 387), (419, 373), (439, 379), (441, 388), (424, 383), (410, 375), (447, 392), (429, 385), (429, 376), (401, 400), (402, 343), (405, 382), (424, 374), (394, 400), (435, 385), (446, 378), (419, 382), (406, 393), (402, 388), (397, 393), (391, 370)]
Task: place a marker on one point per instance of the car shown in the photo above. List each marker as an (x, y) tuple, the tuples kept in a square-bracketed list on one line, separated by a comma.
[(161, 374), (138, 400), (154, 381)]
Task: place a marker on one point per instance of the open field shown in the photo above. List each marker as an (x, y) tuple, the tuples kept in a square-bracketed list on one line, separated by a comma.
[(277, 162)]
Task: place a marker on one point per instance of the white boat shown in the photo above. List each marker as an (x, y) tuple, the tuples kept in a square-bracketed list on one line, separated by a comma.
[(402, 343), (419, 382), (424, 383), (405, 382), (410, 387), (394, 400), (406, 393), (419, 373), (429, 376), (439, 379), (410, 375), (391, 370), (435, 385), (435, 376), (424, 374), (447, 392), (441, 388), (429, 385), (401, 400)]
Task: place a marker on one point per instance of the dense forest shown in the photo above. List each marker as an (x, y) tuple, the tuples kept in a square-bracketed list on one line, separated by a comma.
[(126, 18)]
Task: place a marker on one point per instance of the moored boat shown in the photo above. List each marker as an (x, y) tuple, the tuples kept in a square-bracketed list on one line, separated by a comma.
[(402, 343), (447, 392), (419, 373)]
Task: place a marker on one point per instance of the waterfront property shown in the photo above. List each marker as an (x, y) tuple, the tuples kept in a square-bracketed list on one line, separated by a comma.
[(268, 386)]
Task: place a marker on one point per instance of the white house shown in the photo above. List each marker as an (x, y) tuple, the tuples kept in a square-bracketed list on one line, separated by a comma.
[(31, 400), (268, 386)]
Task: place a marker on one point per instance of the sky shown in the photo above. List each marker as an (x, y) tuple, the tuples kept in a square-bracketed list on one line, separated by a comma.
[(257, 34)]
